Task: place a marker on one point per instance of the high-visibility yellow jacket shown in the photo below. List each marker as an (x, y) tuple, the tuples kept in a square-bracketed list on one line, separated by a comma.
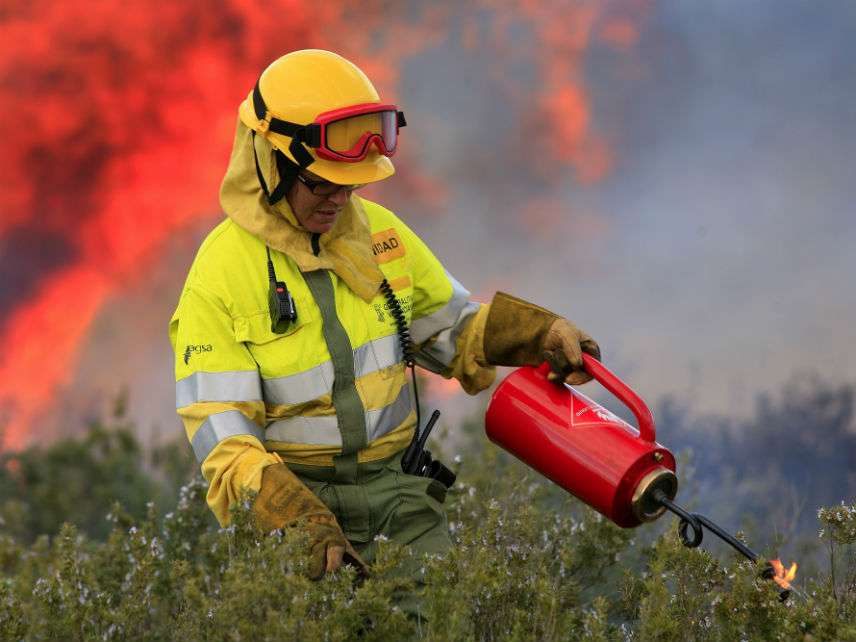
[(249, 397)]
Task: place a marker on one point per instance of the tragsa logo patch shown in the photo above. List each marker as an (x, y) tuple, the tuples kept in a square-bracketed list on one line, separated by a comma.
[(198, 349)]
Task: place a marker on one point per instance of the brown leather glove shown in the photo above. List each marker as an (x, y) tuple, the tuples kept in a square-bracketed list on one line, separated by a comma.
[(519, 333), (283, 501), (563, 347)]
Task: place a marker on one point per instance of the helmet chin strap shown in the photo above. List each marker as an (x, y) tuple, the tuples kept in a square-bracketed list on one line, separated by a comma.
[(287, 174)]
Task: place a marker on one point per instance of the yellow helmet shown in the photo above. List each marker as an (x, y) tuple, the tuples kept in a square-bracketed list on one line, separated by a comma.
[(323, 113)]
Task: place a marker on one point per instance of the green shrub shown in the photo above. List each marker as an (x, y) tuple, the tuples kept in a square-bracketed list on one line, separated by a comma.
[(530, 563), (77, 480)]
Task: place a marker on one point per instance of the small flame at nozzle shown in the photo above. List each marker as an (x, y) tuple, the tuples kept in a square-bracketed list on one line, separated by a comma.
[(780, 576)]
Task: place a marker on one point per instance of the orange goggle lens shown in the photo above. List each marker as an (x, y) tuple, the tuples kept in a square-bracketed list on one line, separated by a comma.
[(351, 137)]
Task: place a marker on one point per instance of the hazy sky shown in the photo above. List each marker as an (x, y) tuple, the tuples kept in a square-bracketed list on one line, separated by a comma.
[(726, 260)]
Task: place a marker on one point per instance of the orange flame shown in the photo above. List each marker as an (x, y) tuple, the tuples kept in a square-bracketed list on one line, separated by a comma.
[(110, 161), (125, 139), (781, 577)]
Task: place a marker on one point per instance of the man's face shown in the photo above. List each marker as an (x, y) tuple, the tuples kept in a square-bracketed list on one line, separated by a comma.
[(315, 213)]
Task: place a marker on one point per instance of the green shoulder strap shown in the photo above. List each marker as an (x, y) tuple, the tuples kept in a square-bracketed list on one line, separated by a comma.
[(349, 408)]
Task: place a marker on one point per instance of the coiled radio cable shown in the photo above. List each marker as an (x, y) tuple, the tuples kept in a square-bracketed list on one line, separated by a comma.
[(415, 460), (404, 339)]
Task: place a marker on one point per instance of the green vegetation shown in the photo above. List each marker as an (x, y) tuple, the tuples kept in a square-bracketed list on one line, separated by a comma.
[(530, 563)]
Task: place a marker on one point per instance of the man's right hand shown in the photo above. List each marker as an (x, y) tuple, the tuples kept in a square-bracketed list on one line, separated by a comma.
[(338, 555), (329, 548), (284, 501)]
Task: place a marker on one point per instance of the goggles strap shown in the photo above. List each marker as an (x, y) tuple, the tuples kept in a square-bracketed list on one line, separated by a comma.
[(259, 103), (300, 134), (303, 157)]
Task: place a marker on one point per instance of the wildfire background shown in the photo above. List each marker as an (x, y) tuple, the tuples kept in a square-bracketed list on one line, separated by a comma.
[(675, 177)]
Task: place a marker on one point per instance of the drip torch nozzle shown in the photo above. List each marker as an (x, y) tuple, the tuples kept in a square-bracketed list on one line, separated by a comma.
[(691, 533)]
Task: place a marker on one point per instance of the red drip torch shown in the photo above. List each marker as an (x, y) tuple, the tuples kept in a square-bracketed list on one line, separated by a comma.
[(621, 472)]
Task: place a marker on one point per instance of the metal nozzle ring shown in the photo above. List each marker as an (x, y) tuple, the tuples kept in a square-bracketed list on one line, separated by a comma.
[(646, 507)]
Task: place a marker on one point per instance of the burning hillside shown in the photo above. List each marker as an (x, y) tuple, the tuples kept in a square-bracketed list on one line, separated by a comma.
[(123, 118)]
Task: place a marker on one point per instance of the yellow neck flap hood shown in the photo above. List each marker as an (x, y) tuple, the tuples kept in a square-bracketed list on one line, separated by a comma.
[(345, 249)]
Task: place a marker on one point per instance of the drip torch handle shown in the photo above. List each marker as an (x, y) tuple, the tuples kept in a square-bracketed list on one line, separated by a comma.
[(624, 394)]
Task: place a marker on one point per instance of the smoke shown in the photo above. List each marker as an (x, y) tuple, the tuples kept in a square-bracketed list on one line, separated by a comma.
[(116, 131), (721, 259)]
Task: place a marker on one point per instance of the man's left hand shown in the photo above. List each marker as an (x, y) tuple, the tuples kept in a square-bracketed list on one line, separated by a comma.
[(563, 346), (519, 333)]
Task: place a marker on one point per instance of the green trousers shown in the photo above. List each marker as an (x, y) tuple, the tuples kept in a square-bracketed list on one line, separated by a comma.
[(383, 501)]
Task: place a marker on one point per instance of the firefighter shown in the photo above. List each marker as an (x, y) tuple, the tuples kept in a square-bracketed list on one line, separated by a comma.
[(300, 312)]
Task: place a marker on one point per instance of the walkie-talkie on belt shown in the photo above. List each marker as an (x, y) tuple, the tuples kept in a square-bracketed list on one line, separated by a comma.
[(418, 461)]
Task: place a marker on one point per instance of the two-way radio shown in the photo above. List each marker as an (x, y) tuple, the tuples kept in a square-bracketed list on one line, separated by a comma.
[(283, 312)]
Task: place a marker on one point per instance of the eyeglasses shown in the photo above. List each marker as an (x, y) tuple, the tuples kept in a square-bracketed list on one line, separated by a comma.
[(326, 188)]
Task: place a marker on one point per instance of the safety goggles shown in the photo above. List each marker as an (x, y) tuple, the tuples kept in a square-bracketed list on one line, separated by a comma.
[(345, 135)]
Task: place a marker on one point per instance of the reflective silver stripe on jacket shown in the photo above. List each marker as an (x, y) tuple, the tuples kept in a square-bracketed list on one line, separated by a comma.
[(220, 426), (444, 326), (325, 430), (442, 350), (384, 420), (449, 315), (236, 385), (377, 355), (311, 384), (303, 386)]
